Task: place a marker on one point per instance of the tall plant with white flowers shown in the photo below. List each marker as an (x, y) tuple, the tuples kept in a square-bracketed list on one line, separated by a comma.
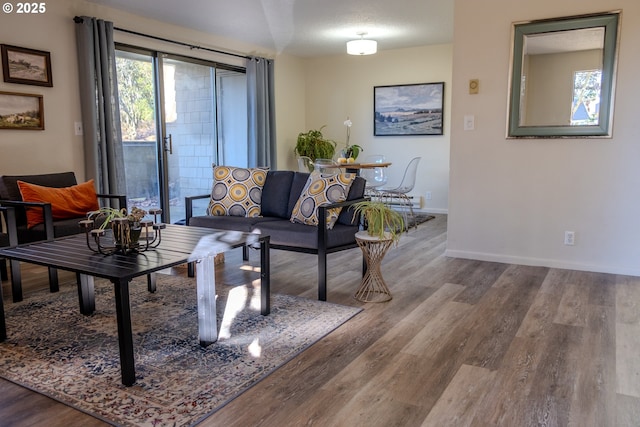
[(350, 151)]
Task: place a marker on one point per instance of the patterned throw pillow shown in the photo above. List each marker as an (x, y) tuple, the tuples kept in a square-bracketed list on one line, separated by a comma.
[(236, 191), (320, 190)]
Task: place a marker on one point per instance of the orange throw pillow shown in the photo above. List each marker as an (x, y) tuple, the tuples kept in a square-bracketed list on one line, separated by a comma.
[(68, 202)]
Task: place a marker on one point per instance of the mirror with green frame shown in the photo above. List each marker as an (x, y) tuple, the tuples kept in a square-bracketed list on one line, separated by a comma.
[(562, 78)]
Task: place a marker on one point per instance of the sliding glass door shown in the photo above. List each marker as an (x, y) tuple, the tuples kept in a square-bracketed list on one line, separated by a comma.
[(140, 130), (199, 119)]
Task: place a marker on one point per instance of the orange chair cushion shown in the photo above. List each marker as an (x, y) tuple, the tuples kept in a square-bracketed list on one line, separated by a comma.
[(68, 202)]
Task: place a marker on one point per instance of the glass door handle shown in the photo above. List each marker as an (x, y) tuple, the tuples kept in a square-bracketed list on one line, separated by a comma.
[(168, 144)]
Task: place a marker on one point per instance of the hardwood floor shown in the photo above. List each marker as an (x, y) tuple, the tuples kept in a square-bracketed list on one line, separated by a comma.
[(462, 343)]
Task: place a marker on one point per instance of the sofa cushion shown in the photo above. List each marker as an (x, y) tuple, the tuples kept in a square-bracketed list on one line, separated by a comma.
[(9, 183), (236, 223), (299, 181), (61, 228), (285, 233), (236, 191), (275, 194), (356, 191), (66, 203), (322, 189)]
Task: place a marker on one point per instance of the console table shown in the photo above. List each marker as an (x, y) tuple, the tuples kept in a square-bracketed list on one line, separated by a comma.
[(177, 245)]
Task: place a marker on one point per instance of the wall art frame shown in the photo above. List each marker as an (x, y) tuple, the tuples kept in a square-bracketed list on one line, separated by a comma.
[(21, 111), (547, 56), (26, 66), (408, 109)]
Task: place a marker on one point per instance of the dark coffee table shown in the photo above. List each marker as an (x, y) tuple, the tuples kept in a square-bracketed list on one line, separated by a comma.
[(178, 243)]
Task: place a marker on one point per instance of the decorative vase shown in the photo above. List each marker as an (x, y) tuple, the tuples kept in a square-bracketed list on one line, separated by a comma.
[(350, 152), (126, 234)]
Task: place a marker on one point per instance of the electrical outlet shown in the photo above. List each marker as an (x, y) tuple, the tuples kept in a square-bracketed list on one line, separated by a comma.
[(427, 195), (569, 238)]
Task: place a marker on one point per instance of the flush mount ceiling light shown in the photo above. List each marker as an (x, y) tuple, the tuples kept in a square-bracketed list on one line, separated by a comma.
[(362, 46)]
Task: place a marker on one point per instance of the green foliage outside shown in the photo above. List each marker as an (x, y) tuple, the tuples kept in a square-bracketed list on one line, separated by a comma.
[(136, 92)]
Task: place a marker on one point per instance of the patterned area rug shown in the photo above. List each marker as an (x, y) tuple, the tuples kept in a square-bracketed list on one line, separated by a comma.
[(54, 350), (420, 218)]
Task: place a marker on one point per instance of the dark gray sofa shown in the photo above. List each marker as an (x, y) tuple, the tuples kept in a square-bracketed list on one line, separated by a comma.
[(279, 195)]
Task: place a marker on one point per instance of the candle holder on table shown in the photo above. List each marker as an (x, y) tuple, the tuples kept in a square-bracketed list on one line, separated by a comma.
[(126, 233)]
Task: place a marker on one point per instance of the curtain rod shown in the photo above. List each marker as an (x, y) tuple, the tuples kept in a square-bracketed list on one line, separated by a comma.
[(79, 20)]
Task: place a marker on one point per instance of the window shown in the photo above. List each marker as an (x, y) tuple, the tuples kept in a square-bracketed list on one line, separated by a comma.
[(178, 117), (585, 107)]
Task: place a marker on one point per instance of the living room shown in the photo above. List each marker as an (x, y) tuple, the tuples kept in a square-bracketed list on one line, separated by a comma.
[(524, 206), (507, 201)]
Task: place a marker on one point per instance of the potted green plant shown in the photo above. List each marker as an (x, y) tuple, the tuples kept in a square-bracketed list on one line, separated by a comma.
[(125, 225), (352, 151), (314, 145), (381, 221), (109, 214)]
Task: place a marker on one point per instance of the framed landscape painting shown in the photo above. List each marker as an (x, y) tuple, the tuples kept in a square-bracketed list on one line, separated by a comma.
[(26, 66), (21, 111), (411, 109)]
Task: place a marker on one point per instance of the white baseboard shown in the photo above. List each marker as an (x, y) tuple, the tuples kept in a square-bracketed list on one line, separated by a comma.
[(431, 211), (416, 204), (416, 209), (541, 262)]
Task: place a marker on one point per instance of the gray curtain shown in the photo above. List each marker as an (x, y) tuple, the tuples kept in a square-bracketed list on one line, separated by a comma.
[(104, 159), (261, 112)]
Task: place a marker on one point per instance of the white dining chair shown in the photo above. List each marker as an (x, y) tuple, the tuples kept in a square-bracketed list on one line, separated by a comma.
[(376, 177), (400, 192)]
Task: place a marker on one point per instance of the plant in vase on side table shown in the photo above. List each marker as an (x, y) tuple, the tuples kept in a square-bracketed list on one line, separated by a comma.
[(384, 227)]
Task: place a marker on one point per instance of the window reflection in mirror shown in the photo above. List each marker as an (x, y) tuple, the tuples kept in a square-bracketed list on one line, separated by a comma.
[(563, 77), (586, 97)]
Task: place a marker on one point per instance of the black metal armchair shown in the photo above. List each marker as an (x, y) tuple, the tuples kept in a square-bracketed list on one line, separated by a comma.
[(49, 229), (8, 237)]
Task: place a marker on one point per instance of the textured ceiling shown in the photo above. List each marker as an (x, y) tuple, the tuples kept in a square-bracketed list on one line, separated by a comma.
[(306, 27), (565, 41)]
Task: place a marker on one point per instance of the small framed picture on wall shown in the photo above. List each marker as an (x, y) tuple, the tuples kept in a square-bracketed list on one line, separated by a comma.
[(26, 66), (21, 111)]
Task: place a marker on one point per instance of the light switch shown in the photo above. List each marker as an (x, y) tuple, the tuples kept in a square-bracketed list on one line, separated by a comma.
[(469, 122), (77, 126)]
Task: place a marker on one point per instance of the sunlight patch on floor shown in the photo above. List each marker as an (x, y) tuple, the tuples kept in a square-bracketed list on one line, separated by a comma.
[(238, 299)]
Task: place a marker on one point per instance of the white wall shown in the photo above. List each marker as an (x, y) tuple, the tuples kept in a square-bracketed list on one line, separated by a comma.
[(512, 200), (290, 108), (56, 148), (342, 85)]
